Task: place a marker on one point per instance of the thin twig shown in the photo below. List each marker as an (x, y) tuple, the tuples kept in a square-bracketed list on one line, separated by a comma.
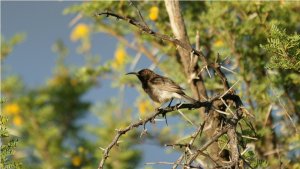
[(193, 136), (273, 152), (229, 89), (282, 105), (208, 156), (75, 20), (153, 65), (223, 147), (288, 115), (167, 163), (216, 66), (228, 107), (222, 112), (206, 68), (268, 114), (138, 47), (186, 118), (176, 145), (229, 70), (135, 61), (207, 144), (248, 137), (139, 13)]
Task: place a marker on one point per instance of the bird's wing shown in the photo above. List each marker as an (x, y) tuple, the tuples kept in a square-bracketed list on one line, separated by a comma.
[(163, 83)]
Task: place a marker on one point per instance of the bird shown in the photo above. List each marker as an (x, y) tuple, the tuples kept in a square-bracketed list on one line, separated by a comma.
[(159, 88)]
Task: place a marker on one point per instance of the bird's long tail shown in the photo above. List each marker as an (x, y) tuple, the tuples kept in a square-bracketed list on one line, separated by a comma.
[(188, 98)]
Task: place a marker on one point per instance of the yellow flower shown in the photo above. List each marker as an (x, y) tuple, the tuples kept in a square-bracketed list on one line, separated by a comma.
[(218, 43), (145, 107), (80, 149), (12, 108), (17, 120), (153, 14), (120, 58), (81, 31), (76, 161)]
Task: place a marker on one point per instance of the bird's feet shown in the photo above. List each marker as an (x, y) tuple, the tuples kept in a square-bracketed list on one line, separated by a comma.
[(158, 109), (165, 116), (170, 102), (163, 113)]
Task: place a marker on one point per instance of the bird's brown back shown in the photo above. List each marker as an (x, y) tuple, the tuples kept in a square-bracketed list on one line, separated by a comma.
[(160, 88), (166, 84)]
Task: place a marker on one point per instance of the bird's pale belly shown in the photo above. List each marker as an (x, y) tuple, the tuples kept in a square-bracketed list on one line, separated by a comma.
[(163, 96)]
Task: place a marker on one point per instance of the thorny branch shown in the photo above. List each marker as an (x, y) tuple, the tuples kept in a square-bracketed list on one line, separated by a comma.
[(143, 122), (190, 144), (144, 28), (163, 112), (213, 104), (207, 144)]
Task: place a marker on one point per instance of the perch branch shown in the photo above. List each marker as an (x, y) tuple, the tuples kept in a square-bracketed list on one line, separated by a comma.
[(143, 122), (197, 105)]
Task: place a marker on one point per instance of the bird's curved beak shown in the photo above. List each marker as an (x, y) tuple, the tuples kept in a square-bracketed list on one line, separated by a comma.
[(132, 73)]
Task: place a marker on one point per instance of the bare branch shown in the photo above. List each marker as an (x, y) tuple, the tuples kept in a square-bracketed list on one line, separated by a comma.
[(233, 143), (229, 88), (207, 144), (216, 66), (145, 29), (249, 137), (138, 47), (193, 136), (166, 163), (135, 61), (229, 70), (206, 68), (186, 118), (139, 13)]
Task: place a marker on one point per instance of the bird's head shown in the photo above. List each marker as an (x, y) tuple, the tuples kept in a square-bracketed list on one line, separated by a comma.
[(143, 74)]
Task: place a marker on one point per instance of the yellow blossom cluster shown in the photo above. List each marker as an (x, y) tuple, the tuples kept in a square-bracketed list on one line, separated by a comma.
[(13, 109), (76, 161), (120, 58), (153, 13), (218, 43), (81, 31), (17, 120), (145, 107)]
